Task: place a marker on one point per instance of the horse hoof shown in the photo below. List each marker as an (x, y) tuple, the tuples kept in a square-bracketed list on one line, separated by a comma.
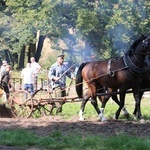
[(81, 119), (142, 121), (103, 119), (134, 117), (114, 117)]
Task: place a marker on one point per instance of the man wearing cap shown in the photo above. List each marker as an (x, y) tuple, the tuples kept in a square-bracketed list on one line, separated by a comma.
[(57, 76)]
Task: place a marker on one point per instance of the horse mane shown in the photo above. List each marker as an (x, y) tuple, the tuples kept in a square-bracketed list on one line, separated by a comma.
[(135, 43)]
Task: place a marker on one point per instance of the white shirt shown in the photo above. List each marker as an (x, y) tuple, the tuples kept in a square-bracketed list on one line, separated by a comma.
[(27, 74), (35, 66), (2, 69)]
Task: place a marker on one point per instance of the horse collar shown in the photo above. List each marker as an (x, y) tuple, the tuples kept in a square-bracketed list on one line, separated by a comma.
[(136, 71)]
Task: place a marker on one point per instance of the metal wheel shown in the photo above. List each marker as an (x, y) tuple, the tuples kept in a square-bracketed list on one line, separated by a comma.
[(21, 104), (41, 104), (41, 94)]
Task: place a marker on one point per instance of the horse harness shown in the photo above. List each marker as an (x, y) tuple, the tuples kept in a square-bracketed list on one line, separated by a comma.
[(109, 71), (135, 70)]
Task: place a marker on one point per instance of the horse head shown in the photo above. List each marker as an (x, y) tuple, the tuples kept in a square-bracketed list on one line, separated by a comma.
[(141, 45)]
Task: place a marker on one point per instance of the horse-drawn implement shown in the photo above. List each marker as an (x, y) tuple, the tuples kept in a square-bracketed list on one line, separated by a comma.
[(23, 105)]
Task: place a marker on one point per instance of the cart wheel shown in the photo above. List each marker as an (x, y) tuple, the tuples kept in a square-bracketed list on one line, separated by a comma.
[(41, 94), (41, 104), (21, 104)]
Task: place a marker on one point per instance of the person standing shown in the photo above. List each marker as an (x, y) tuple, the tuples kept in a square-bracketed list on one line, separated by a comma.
[(57, 75), (3, 66), (28, 76), (36, 68), (6, 80)]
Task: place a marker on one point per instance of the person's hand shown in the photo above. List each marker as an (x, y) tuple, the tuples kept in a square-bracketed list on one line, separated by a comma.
[(56, 78), (74, 78)]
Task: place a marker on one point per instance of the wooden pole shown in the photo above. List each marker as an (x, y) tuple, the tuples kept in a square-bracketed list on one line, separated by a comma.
[(115, 93)]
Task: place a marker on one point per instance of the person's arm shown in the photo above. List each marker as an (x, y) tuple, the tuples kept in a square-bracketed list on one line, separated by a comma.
[(52, 74), (2, 76), (70, 75), (38, 68), (22, 75)]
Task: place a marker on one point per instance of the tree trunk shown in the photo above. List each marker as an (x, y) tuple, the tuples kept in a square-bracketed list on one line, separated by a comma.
[(39, 47), (31, 51), (22, 57)]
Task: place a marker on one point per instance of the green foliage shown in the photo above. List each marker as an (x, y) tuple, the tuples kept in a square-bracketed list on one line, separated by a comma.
[(107, 27)]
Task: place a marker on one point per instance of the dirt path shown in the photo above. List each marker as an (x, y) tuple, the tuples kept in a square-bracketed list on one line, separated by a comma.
[(46, 125)]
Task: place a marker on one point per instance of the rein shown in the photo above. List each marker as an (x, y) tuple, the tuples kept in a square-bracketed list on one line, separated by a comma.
[(126, 67)]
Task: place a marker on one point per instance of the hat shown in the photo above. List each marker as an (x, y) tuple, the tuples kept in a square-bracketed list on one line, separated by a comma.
[(61, 55)]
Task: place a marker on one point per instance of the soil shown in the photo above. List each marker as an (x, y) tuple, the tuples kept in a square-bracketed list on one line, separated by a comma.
[(48, 124)]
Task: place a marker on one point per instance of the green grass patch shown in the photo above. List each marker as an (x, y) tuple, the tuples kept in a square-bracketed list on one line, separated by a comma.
[(72, 109), (73, 141)]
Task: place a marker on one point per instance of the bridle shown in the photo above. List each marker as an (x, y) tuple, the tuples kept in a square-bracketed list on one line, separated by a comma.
[(135, 70), (145, 42)]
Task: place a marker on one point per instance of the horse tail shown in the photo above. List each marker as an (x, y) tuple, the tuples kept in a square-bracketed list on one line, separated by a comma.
[(79, 81)]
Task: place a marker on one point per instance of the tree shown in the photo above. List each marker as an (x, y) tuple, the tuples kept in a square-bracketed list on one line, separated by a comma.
[(106, 27)]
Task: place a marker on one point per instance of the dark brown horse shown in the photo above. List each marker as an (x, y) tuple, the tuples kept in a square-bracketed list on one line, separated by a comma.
[(122, 74), (145, 85)]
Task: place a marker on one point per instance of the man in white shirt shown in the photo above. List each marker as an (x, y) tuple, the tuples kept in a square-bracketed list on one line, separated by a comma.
[(36, 68), (28, 75)]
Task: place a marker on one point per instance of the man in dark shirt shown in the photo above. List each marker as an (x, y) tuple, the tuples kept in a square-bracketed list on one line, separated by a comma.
[(57, 75), (5, 80)]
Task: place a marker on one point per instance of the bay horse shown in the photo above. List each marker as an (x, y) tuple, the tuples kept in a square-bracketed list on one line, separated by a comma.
[(145, 84), (122, 73)]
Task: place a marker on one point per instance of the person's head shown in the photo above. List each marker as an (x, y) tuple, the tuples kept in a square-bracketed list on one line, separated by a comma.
[(4, 63), (32, 59), (60, 59), (8, 68)]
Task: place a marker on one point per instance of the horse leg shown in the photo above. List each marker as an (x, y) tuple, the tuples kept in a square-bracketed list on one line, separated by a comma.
[(103, 100), (125, 112), (122, 99), (93, 98), (93, 94), (95, 105), (84, 101), (137, 110), (115, 99)]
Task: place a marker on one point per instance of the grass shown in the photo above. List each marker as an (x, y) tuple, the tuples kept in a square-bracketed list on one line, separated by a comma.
[(73, 141), (72, 109)]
